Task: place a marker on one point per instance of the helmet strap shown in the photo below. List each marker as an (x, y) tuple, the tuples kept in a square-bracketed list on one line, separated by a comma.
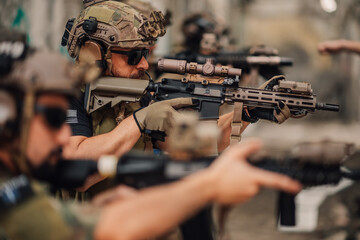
[(108, 61), (28, 113)]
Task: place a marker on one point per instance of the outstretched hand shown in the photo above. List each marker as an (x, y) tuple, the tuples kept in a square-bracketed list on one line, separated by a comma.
[(236, 181)]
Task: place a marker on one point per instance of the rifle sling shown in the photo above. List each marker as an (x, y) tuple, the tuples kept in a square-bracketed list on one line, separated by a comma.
[(236, 124)]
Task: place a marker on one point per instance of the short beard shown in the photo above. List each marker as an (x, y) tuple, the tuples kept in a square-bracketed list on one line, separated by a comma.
[(138, 75), (47, 170)]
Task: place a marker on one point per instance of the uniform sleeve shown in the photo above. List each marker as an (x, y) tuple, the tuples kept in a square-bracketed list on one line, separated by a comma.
[(79, 121), (35, 217), (82, 218)]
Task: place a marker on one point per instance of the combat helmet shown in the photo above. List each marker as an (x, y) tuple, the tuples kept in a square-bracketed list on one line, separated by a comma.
[(105, 24), (31, 73)]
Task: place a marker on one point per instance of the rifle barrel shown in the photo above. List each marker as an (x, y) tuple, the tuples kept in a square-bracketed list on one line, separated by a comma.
[(285, 61), (328, 107)]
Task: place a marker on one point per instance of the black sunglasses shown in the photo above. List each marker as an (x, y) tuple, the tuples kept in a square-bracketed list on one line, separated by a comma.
[(134, 56), (55, 116)]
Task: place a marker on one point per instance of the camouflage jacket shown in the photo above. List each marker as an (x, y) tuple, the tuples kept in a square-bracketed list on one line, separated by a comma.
[(27, 212)]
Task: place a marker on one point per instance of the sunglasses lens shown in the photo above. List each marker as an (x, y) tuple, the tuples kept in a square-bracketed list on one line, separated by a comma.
[(146, 53), (54, 116), (135, 57)]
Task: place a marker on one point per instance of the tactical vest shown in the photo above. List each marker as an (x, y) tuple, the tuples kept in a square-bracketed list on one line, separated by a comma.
[(106, 119)]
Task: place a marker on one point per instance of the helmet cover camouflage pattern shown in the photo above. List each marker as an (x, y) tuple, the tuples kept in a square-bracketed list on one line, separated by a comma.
[(117, 25)]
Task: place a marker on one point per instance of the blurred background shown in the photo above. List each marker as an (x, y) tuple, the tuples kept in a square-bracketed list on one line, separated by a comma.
[(294, 28)]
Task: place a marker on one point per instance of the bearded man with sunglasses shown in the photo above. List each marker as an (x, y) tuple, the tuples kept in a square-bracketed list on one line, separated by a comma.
[(118, 39)]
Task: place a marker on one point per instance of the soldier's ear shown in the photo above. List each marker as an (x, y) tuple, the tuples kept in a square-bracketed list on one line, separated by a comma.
[(93, 53)]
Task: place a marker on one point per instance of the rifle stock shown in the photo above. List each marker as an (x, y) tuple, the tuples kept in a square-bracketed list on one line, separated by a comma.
[(111, 91)]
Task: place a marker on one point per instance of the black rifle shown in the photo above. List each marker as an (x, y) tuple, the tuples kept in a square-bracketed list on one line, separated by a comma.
[(321, 165), (309, 175), (134, 170), (137, 171)]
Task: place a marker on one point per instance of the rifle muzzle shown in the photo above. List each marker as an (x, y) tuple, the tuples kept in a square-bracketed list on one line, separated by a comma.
[(328, 107), (285, 61)]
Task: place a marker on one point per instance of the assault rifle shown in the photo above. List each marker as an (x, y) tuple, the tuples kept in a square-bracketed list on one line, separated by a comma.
[(298, 96), (312, 164)]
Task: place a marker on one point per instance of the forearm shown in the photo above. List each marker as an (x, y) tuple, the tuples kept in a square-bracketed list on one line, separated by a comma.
[(119, 141), (170, 204), (353, 46)]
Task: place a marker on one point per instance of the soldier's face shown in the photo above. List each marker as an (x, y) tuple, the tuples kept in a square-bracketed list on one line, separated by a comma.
[(121, 67), (47, 131)]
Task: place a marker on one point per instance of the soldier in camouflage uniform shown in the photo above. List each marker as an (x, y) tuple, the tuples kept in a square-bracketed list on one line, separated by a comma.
[(118, 39), (34, 90)]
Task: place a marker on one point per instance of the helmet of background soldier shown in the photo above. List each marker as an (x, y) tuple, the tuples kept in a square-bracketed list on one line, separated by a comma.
[(27, 74), (196, 25), (105, 24)]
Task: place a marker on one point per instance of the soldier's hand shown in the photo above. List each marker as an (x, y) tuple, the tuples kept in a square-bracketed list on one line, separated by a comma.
[(278, 115), (235, 180), (160, 116)]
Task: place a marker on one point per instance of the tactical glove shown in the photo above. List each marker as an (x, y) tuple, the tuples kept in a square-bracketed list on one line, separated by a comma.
[(159, 117), (281, 112)]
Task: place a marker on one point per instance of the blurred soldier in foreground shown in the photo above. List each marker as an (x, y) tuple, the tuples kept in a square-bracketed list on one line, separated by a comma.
[(34, 94)]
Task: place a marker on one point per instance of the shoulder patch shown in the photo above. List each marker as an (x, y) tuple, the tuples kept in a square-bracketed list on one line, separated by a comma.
[(15, 191), (72, 117)]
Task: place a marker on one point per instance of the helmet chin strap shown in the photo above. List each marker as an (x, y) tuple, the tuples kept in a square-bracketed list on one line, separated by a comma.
[(28, 113), (108, 62)]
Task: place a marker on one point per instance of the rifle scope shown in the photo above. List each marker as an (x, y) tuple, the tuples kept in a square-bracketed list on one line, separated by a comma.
[(207, 69)]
